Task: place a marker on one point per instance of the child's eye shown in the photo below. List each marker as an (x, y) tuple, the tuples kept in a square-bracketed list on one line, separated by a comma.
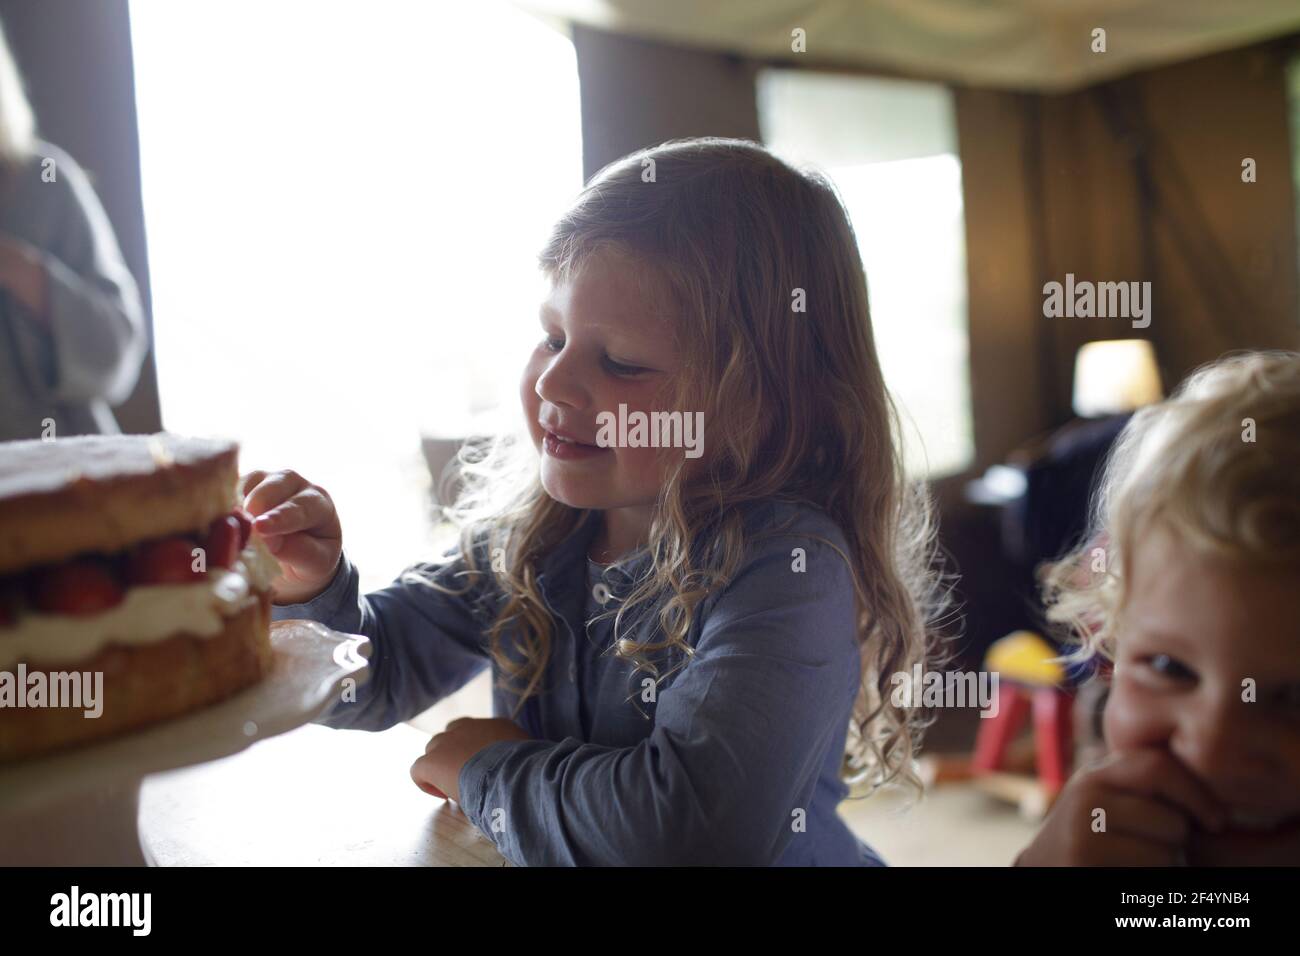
[(619, 368), (552, 344), (1169, 667), (1289, 696)]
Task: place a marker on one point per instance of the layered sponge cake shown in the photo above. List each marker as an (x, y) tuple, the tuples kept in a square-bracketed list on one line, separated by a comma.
[(126, 556)]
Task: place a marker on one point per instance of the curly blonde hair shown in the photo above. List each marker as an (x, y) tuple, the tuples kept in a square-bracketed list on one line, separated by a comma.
[(1217, 464), (795, 405)]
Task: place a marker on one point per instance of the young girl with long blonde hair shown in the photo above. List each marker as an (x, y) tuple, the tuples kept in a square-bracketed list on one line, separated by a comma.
[(692, 645)]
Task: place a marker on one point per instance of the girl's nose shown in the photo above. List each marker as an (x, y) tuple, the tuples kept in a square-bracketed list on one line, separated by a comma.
[(560, 384)]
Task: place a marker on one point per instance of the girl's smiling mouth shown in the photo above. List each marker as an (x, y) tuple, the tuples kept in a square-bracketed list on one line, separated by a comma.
[(566, 448)]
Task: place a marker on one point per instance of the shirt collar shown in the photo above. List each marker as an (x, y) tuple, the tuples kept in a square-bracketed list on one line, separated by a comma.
[(566, 563), (569, 553)]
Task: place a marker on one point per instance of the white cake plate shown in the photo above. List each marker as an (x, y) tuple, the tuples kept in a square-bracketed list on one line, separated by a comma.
[(81, 807)]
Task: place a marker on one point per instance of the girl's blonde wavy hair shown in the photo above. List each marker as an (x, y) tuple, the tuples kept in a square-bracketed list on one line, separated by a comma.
[(796, 408), (1217, 464)]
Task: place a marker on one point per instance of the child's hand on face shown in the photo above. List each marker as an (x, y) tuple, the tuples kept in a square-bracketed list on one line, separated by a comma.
[(299, 525), (438, 771), (1151, 803)]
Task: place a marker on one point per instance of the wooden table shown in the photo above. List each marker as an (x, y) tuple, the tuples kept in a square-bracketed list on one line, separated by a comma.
[(311, 797)]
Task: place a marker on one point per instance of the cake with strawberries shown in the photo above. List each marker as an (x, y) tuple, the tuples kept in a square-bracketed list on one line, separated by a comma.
[(126, 556)]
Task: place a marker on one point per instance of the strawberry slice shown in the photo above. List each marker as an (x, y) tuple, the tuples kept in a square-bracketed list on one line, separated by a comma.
[(245, 526), (164, 561), (222, 542), (80, 586)]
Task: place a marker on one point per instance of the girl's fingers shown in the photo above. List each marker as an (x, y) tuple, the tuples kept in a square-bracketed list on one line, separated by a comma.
[(250, 481), (1121, 849), (1151, 820), (309, 557), (305, 510), (273, 489), (421, 777), (1156, 773)]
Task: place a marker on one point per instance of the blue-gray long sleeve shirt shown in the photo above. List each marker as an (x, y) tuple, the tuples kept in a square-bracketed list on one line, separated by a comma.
[(733, 759)]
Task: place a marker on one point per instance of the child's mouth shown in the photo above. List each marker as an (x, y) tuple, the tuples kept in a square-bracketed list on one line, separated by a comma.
[(568, 450)]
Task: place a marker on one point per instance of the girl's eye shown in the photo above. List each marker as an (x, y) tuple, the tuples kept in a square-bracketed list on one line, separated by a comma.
[(552, 344), (618, 368), (1290, 696), (1169, 667)]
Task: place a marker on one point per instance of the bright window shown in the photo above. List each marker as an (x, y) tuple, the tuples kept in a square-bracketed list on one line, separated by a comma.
[(344, 203), (890, 148)]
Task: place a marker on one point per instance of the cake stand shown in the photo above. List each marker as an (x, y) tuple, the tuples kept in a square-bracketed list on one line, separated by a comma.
[(81, 807)]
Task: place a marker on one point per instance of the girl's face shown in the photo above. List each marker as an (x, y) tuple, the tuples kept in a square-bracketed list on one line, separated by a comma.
[(1197, 635), (601, 346)]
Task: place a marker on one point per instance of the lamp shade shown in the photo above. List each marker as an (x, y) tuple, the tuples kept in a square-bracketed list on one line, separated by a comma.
[(1114, 377)]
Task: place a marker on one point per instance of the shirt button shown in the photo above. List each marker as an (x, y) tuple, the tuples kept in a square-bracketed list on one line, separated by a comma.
[(573, 672), (600, 592)]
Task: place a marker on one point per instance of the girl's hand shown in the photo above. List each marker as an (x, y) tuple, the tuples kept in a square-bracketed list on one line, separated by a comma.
[(1150, 801), (438, 771), (299, 525)]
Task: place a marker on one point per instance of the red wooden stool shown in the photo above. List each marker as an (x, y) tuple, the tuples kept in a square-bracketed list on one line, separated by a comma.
[(1028, 677)]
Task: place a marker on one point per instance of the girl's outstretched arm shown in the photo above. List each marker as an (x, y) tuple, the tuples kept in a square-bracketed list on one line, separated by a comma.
[(425, 644)]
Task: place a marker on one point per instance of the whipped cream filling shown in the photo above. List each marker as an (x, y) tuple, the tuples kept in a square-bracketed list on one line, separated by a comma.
[(148, 613)]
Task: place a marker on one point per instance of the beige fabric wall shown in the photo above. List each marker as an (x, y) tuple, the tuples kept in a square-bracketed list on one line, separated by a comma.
[(1013, 44), (638, 93), (1052, 188)]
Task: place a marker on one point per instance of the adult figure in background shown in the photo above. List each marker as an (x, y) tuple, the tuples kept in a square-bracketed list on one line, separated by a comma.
[(72, 335)]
